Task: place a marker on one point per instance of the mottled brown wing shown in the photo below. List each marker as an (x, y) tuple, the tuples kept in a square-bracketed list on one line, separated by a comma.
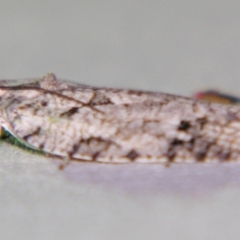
[(112, 125)]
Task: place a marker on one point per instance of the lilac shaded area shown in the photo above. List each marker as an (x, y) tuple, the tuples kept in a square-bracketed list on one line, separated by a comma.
[(199, 178)]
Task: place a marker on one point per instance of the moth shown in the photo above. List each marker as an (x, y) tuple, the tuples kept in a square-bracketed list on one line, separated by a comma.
[(80, 122)]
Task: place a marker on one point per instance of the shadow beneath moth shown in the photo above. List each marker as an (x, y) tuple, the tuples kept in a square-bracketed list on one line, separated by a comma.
[(75, 121)]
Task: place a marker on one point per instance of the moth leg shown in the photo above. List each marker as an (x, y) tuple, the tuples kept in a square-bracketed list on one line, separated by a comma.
[(64, 163), (167, 164)]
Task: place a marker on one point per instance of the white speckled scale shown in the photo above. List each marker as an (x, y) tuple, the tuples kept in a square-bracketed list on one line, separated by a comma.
[(113, 125)]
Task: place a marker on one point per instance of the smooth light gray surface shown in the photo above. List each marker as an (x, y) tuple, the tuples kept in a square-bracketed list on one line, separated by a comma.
[(173, 46)]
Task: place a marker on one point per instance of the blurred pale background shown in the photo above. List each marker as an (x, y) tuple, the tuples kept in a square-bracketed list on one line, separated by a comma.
[(172, 46)]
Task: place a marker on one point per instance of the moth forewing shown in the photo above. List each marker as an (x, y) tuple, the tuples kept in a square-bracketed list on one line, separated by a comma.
[(113, 125)]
